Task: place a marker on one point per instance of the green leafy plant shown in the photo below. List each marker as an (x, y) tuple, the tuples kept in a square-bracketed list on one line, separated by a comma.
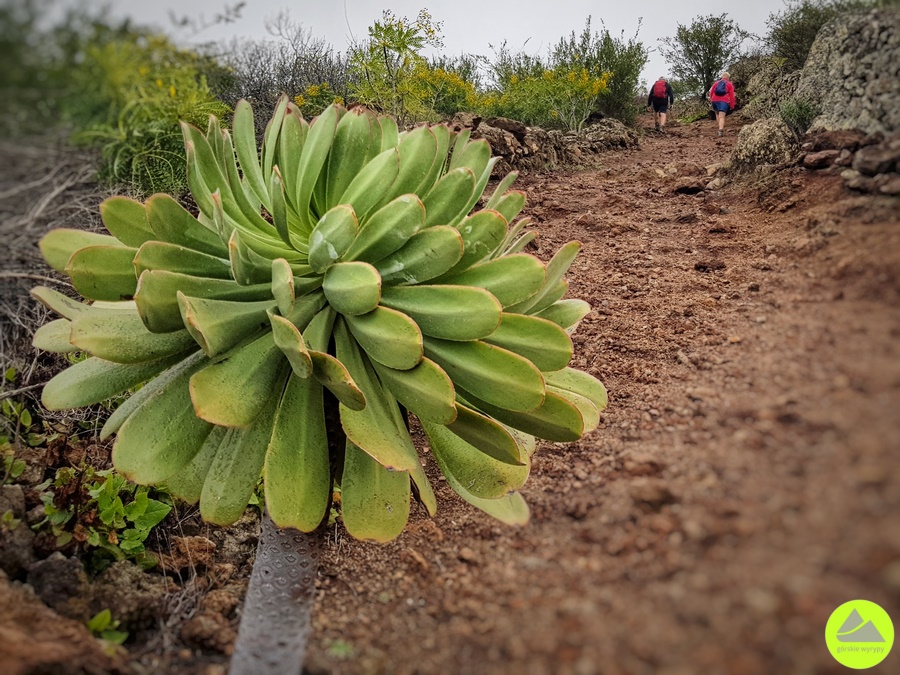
[(698, 53), (103, 512), (798, 114), (619, 61), (344, 258), (793, 30), (103, 626), (385, 66)]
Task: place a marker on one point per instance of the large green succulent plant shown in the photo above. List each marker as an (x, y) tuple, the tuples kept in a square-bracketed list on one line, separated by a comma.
[(343, 255)]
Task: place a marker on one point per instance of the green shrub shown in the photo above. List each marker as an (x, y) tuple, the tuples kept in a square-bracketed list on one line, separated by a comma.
[(133, 91), (798, 114), (385, 68), (621, 60)]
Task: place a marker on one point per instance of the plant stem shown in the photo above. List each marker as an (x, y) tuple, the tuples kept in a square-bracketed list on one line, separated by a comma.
[(275, 620)]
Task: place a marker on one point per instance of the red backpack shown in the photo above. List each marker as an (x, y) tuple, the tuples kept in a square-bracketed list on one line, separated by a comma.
[(659, 89)]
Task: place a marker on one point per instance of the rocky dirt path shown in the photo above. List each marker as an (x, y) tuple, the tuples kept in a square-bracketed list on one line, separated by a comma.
[(744, 480)]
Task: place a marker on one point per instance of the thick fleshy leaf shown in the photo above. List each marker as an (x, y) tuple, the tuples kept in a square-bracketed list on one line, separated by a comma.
[(54, 337), (297, 471), (171, 223), (283, 289), (482, 232), (483, 476), (187, 484), (103, 272), (219, 325), (489, 436), (58, 245), (510, 509), (501, 189), (312, 161), (332, 236), (289, 340), (389, 337), (447, 199), (418, 153), (581, 383), (255, 370), (349, 152), (425, 390), (368, 186), (126, 220), (122, 337), (352, 287), (492, 373), (540, 341), (334, 376), (379, 428), (448, 312), (94, 380), (589, 412), (549, 297), (62, 304), (389, 132), (426, 255), (566, 314), (556, 269), (248, 155), (159, 255), (236, 469), (510, 204), (294, 130), (162, 435), (442, 135), (118, 417), (511, 279), (157, 296), (374, 501), (388, 229), (247, 266), (556, 419), (279, 207)]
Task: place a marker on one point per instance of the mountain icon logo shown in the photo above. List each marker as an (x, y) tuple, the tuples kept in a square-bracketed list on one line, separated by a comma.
[(856, 629), (859, 634)]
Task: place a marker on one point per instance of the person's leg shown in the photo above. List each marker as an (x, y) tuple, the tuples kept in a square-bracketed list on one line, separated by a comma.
[(662, 119), (720, 118)]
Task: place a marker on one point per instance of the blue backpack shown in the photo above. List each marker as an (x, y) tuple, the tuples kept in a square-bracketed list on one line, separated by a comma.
[(721, 88)]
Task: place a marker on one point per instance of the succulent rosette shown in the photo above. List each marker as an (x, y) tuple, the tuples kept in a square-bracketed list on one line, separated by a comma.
[(341, 255)]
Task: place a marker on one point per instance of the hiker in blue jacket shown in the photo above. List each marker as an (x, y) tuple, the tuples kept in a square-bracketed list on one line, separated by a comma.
[(659, 100)]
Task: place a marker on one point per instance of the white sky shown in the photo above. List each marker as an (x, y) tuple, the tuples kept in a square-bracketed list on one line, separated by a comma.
[(469, 26)]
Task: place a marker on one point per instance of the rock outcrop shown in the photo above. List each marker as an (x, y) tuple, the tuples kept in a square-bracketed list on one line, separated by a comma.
[(853, 73), (534, 149), (767, 141)]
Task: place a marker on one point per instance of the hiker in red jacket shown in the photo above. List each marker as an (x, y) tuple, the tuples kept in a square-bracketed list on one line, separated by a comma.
[(660, 99), (721, 95)]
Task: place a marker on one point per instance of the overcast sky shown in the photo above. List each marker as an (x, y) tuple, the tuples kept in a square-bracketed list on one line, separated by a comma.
[(469, 26)]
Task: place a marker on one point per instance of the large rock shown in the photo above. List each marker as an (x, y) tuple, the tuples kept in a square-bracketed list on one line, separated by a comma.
[(767, 141), (534, 149), (768, 88), (853, 72)]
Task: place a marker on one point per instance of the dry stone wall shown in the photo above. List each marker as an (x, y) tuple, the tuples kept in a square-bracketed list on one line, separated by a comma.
[(534, 149), (853, 72)]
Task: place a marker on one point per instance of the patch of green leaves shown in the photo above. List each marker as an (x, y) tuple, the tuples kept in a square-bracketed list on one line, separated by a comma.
[(103, 626), (103, 512)]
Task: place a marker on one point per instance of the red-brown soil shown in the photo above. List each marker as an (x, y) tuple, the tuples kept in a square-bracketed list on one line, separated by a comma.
[(743, 483)]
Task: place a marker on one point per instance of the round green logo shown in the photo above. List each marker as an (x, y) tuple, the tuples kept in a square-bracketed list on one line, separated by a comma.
[(859, 634)]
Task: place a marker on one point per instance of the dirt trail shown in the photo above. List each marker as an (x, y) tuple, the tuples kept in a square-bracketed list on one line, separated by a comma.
[(744, 481)]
